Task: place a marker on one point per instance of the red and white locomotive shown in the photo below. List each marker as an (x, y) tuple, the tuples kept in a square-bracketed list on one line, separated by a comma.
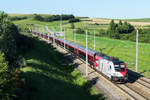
[(111, 67)]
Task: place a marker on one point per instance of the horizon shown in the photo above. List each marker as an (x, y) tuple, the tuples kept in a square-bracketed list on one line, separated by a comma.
[(69, 14), (94, 9)]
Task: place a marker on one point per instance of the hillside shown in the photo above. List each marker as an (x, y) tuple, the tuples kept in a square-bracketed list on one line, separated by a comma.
[(47, 79)]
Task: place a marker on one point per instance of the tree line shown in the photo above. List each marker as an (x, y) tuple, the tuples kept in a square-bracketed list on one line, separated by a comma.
[(122, 30), (126, 31), (14, 18), (50, 18)]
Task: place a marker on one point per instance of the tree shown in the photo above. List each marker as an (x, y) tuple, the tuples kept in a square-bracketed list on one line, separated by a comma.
[(3, 16), (120, 22), (8, 40), (10, 81), (124, 28), (38, 17), (112, 26), (73, 20)]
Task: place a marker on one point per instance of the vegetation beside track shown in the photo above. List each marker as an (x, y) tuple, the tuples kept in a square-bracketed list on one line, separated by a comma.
[(48, 79)]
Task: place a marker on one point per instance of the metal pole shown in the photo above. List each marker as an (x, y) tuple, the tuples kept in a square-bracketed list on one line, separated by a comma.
[(64, 38), (53, 38), (54, 34), (137, 33), (74, 35), (94, 39), (61, 22), (86, 53), (48, 38)]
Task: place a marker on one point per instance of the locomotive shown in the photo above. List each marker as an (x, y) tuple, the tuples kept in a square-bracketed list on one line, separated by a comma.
[(112, 68)]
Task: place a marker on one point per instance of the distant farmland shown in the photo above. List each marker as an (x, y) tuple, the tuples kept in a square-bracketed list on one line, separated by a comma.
[(136, 22)]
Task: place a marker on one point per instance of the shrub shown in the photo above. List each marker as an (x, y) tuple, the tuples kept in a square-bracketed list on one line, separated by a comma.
[(9, 81), (101, 33), (80, 31), (73, 20), (14, 18), (38, 17)]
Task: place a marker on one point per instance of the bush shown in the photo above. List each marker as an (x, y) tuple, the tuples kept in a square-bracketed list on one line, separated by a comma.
[(73, 20), (121, 28), (23, 28), (14, 18), (125, 28), (102, 33), (80, 31), (10, 82), (38, 17)]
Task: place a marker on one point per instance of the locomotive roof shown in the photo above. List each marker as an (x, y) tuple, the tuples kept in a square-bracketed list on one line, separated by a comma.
[(78, 46), (113, 59)]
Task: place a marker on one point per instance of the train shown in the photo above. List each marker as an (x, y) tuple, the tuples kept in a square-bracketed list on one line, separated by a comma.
[(113, 68)]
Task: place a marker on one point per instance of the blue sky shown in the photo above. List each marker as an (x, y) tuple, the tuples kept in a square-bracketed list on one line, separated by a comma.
[(91, 8)]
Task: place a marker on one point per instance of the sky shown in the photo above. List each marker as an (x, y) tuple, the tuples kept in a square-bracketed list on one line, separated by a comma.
[(117, 9)]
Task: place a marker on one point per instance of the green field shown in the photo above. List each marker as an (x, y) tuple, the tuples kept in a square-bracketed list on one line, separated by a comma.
[(47, 79), (55, 25), (139, 20), (125, 50)]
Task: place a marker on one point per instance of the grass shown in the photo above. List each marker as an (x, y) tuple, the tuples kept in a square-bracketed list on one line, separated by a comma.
[(123, 49), (55, 25), (139, 20), (47, 79)]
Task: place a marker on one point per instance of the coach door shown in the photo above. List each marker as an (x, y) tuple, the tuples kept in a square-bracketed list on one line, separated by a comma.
[(101, 68), (99, 64), (109, 69)]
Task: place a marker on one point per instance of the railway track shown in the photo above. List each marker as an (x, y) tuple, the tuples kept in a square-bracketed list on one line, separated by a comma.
[(142, 82), (145, 80), (131, 93), (128, 91), (137, 91)]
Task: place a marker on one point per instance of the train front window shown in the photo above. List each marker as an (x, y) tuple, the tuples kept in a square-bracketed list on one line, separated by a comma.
[(119, 67)]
